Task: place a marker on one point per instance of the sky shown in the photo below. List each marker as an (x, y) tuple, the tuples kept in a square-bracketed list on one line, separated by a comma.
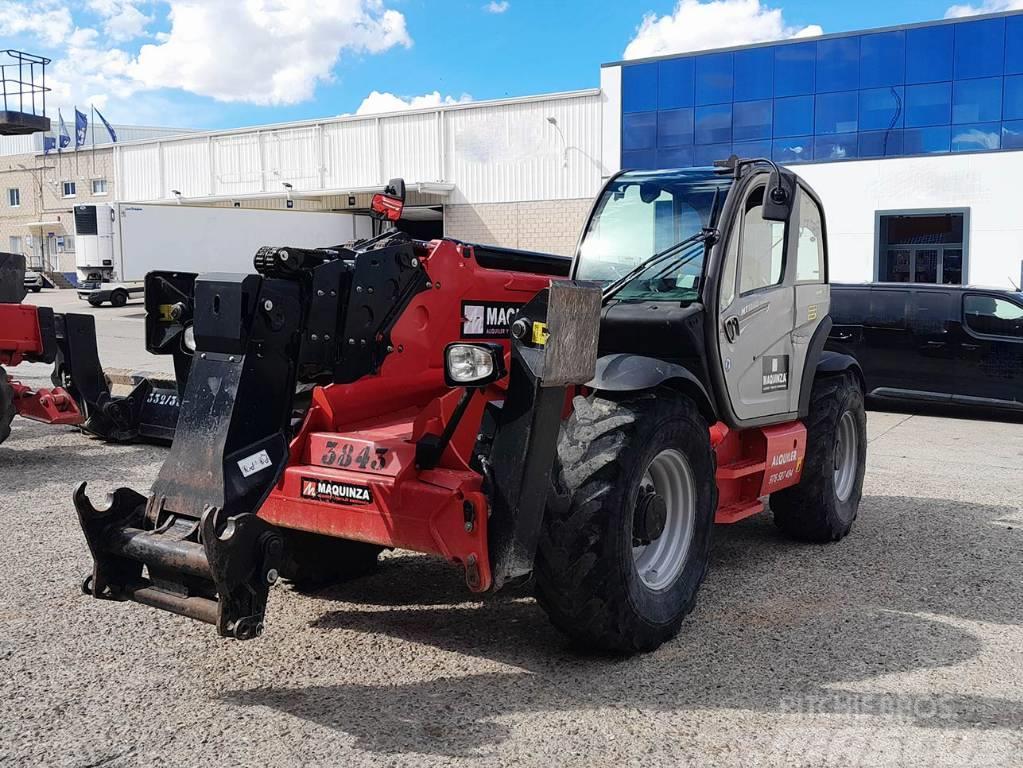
[(230, 63)]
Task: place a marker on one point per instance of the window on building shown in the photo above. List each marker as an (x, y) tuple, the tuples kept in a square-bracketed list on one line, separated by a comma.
[(925, 247), (675, 128), (793, 116), (15, 244), (70, 189), (754, 74), (979, 48), (993, 316), (714, 74), (882, 59), (14, 197), (810, 251), (99, 186), (639, 131), (639, 87), (753, 119), (928, 104), (714, 124), (838, 64), (794, 66), (761, 247), (675, 83)]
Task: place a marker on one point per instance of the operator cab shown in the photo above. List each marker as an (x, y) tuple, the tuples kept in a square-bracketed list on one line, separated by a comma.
[(698, 272)]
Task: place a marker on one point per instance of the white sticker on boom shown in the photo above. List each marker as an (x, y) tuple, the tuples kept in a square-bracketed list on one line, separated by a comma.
[(257, 462)]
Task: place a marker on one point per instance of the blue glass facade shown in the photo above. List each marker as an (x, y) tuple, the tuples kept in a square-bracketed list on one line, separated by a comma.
[(930, 89)]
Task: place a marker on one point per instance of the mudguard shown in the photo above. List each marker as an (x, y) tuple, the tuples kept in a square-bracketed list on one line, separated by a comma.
[(836, 362), (829, 363), (631, 373)]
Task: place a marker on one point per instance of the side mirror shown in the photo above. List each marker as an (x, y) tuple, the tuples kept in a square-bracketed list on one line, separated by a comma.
[(388, 205), (778, 197)]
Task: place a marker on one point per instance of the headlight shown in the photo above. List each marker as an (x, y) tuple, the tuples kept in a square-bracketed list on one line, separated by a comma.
[(473, 364), (188, 338)]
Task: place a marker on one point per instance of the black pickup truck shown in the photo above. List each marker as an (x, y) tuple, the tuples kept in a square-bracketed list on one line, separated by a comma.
[(945, 344)]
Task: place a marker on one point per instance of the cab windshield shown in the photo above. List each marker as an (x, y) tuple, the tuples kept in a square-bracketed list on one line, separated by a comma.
[(643, 213)]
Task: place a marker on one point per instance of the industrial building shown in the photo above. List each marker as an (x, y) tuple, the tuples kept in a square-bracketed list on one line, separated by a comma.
[(40, 190), (912, 135)]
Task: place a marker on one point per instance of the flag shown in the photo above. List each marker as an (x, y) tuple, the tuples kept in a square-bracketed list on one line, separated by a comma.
[(49, 144), (109, 127), (65, 137), (81, 128)]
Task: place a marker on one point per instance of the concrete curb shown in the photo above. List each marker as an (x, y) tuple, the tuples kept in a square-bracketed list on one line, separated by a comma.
[(128, 378)]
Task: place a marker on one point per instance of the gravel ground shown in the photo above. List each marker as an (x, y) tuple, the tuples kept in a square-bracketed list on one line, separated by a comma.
[(901, 645)]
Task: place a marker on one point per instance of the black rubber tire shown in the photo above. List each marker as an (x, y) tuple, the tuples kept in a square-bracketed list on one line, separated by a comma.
[(312, 561), (93, 303), (811, 511), (36, 289), (118, 299), (586, 578), (7, 411)]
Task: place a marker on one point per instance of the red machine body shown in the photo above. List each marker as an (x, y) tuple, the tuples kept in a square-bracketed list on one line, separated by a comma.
[(352, 470), (20, 334), (21, 339)]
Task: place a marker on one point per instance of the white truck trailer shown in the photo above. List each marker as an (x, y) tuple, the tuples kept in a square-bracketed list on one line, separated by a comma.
[(116, 244)]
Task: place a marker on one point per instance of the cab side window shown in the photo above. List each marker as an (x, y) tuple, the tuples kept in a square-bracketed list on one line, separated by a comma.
[(992, 316), (728, 274), (761, 247), (810, 251)]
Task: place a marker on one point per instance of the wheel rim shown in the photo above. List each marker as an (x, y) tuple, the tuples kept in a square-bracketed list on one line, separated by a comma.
[(846, 452), (660, 562)]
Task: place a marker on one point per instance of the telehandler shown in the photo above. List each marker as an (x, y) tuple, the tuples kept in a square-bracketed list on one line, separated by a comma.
[(583, 422), (81, 394)]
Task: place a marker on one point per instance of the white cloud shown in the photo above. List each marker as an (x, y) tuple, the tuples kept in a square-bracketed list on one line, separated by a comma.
[(377, 103), (497, 6), (695, 26), (48, 20), (88, 72), (122, 19), (988, 6), (264, 51)]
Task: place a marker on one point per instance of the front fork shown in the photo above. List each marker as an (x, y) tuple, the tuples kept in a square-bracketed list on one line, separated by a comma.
[(196, 546), (214, 569)]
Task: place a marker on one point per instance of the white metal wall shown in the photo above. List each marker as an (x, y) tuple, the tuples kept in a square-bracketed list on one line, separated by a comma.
[(21, 145), (611, 118), (503, 151), (986, 183)]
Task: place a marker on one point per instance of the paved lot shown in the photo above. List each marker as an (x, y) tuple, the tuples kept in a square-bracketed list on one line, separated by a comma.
[(121, 332), (901, 645)]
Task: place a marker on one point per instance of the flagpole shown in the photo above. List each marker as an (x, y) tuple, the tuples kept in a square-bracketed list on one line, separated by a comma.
[(93, 140), (78, 173)]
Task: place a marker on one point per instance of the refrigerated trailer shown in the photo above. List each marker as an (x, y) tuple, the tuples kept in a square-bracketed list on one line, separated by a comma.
[(116, 244)]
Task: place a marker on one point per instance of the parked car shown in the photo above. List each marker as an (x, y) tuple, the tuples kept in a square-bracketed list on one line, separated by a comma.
[(957, 345), (97, 293), (34, 282)]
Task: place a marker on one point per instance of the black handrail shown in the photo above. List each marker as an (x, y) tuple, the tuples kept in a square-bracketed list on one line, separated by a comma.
[(29, 85)]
